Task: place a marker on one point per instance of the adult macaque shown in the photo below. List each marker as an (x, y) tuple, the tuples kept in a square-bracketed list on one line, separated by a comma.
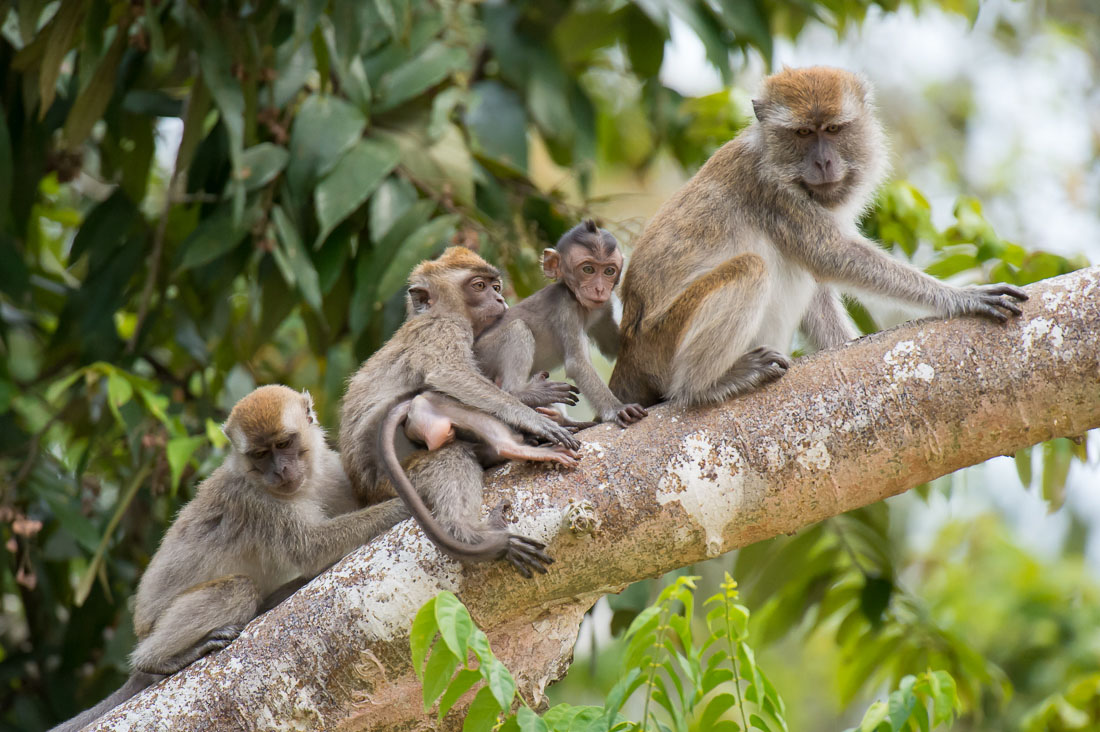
[(748, 250), (552, 327), (270, 516), (450, 301)]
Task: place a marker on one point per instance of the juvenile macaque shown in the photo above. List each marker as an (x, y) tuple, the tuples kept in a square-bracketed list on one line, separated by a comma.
[(270, 517), (450, 301), (748, 250), (552, 327)]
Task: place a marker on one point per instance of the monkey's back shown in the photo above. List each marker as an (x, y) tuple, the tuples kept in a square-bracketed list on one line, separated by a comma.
[(397, 368), (692, 232)]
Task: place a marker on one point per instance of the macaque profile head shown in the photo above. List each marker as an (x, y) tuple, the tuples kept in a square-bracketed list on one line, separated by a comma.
[(587, 259), (463, 282), (819, 132), (274, 433)]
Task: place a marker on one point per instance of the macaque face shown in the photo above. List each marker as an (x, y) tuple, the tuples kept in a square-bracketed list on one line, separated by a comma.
[(280, 461), (484, 301), (591, 276)]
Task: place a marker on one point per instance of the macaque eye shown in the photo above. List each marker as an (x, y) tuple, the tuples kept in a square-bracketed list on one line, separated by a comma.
[(610, 271), (479, 285), (804, 131), (259, 454), (588, 269), (282, 444), (496, 286), (833, 129)]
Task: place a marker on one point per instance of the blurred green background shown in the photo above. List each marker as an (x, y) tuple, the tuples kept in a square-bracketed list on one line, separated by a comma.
[(197, 198)]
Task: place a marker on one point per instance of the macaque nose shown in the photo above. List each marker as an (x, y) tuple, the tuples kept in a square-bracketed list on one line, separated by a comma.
[(826, 166)]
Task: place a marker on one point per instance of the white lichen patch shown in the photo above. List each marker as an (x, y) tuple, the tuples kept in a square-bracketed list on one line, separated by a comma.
[(709, 480), (904, 364), (594, 449), (814, 457), (1041, 330)]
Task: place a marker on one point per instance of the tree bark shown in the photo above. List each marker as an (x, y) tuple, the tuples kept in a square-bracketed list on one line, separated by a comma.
[(844, 428)]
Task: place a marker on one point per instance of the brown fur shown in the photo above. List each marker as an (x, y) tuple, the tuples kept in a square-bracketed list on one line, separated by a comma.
[(432, 351), (241, 540), (748, 249)]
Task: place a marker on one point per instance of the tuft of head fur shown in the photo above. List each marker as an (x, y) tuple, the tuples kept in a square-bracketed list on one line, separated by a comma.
[(262, 414), (590, 236), (794, 97)]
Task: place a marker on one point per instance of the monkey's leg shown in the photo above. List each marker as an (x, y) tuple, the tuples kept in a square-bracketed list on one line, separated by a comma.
[(427, 424), (202, 619), (719, 315), (451, 481), (826, 324)]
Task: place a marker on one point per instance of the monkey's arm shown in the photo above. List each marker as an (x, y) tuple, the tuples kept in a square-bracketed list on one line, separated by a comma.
[(826, 324), (578, 367), (507, 353), (851, 259), (462, 382), (312, 547)]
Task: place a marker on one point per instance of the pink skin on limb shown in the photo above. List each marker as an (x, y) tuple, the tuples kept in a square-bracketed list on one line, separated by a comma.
[(433, 419)]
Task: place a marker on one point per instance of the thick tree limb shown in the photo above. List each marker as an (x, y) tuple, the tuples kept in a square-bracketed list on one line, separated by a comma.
[(842, 429)]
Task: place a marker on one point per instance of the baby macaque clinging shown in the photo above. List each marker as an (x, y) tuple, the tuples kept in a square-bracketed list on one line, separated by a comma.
[(552, 327), (271, 515), (450, 301), (749, 249)]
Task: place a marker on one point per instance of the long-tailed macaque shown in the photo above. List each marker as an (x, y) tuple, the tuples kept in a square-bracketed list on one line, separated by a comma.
[(450, 300), (271, 515), (749, 249), (552, 327)]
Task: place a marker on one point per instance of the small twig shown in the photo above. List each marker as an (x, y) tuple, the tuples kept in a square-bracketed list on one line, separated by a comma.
[(158, 242)]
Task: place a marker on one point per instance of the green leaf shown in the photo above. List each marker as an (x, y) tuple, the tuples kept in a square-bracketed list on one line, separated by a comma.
[(1057, 458), (179, 451), (60, 32), (6, 176), (419, 74), (528, 721), (499, 681), (304, 275), (324, 129), (215, 435), (390, 201), (462, 682), (1023, 466), (455, 624), (92, 102), (437, 674), (421, 635), (215, 236), (351, 182), (261, 163), (119, 391), (216, 63), (497, 124), (718, 705), (483, 712)]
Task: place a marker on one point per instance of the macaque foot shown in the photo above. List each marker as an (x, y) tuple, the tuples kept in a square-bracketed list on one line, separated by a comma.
[(541, 454), (215, 640), (541, 392), (629, 414), (755, 368), (992, 300), (526, 554)]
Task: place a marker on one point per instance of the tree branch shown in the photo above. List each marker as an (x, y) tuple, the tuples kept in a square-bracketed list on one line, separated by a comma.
[(842, 429)]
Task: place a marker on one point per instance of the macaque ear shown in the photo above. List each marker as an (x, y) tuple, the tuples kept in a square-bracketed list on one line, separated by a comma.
[(551, 263), (307, 403), (419, 299), (759, 108)]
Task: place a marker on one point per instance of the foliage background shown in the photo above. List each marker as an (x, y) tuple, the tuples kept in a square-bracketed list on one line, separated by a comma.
[(199, 198)]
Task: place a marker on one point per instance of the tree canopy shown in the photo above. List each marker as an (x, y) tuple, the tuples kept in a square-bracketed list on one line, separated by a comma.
[(197, 198)]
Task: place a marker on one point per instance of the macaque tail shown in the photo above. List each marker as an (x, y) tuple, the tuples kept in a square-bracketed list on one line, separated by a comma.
[(482, 551), (138, 681)]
